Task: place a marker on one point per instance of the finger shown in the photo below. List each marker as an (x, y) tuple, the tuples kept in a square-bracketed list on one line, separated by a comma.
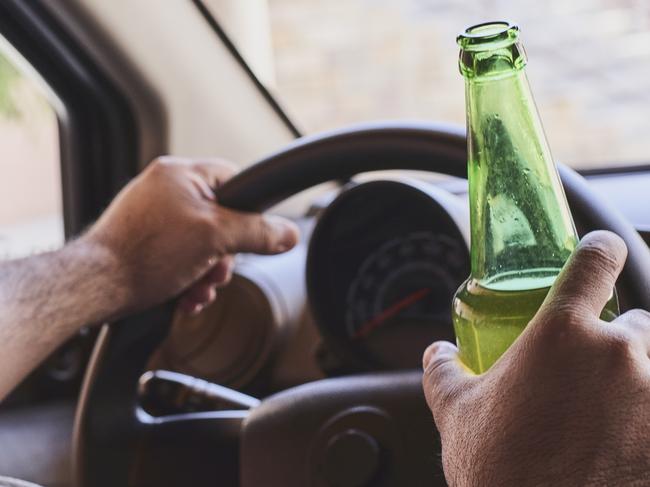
[(214, 171), (444, 375), (203, 292), (637, 321), (587, 279), (255, 233), (221, 273), (208, 174), (197, 298)]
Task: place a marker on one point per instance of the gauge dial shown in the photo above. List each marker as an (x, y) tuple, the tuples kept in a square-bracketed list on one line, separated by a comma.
[(401, 280), (384, 263), (401, 291)]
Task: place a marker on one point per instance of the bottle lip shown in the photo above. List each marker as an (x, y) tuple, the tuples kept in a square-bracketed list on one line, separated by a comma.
[(488, 35)]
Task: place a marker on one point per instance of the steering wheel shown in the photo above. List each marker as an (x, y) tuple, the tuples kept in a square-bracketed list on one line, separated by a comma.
[(342, 431)]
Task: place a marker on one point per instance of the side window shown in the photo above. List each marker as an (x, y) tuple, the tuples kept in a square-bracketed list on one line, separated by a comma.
[(31, 215)]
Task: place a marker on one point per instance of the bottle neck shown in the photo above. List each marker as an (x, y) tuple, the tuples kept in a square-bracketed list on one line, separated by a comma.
[(521, 228)]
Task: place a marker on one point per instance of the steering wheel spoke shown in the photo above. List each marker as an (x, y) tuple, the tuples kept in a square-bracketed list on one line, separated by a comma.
[(198, 449)]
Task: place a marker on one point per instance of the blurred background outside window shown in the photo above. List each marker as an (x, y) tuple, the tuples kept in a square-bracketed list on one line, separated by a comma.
[(31, 219), (336, 62)]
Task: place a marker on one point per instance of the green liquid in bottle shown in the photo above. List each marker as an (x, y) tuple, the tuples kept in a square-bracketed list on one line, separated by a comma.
[(522, 231), (487, 320)]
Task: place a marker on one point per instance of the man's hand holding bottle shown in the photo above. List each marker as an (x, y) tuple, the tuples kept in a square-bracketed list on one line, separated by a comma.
[(567, 404)]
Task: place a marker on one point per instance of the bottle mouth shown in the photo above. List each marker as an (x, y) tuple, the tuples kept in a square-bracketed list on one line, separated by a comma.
[(488, 35)]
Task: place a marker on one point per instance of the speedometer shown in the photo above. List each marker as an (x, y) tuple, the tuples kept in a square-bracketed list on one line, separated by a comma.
[(384, 262), (400, 292)]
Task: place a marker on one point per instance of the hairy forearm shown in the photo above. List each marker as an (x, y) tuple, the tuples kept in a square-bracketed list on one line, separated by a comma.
[(45, 299)]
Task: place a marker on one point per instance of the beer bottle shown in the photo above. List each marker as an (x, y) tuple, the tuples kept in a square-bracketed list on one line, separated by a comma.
[(522, 231)]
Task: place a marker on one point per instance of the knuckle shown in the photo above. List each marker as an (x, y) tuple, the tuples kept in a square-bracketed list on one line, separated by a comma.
[(440, 389), (242, 233), (565, 315), (563, 328), (162, 162), (619, 347), (216, 170), (211, 230), (434, 367), (636, 323), (432, 350), (266, 236), (638, 315), (599, 254)]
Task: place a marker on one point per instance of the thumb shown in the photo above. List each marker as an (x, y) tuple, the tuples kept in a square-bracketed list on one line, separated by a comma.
[(587, 279), (255, 233), (444, 376)]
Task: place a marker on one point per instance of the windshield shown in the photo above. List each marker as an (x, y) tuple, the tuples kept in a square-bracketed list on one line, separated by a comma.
[(332, 63)]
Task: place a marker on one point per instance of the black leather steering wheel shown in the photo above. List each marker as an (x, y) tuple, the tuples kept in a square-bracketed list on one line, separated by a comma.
[(292, 438)]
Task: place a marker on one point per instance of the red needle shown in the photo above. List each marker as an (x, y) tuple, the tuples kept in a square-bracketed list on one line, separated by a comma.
[(389, 312)]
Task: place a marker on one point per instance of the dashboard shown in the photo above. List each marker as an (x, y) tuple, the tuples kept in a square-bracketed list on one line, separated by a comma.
[(367, 289), (382, 260)]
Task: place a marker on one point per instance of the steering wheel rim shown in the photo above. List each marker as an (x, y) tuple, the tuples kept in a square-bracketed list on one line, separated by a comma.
[(108, 431)]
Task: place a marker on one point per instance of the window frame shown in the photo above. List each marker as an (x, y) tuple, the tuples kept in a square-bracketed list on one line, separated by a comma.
[(98, 134), (230, 45)]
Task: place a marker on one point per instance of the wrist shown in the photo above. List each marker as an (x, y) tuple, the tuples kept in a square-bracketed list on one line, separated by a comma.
[(107, 272)]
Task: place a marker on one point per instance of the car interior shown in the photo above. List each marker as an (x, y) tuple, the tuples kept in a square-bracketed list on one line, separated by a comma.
[(346, 117)]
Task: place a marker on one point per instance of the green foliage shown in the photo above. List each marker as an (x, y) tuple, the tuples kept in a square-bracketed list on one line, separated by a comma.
[(9, 77)]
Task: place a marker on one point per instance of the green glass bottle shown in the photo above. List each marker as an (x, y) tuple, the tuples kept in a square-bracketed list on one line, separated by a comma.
[(522, 231)]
